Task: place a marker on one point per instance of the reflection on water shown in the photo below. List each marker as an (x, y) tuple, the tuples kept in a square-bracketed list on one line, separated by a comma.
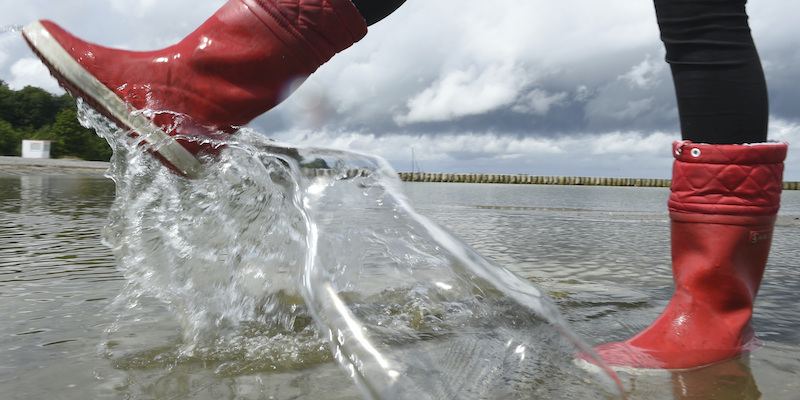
[(57, 282), (210, 322), (56, 279)]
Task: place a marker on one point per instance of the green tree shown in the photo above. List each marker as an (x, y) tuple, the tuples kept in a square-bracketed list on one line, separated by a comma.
[(72, 139), (6, 95), (31, 106), (65, 101), (33, 113), (10, 140)]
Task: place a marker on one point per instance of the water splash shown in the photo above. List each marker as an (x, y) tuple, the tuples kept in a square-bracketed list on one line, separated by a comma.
[(277, 249), (10, 29)]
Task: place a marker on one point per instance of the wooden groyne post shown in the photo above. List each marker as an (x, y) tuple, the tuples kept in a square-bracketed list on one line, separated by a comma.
[(545, 179)]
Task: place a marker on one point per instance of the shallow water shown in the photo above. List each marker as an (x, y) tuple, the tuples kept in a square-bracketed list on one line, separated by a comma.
[(603, 254), (66, 335)]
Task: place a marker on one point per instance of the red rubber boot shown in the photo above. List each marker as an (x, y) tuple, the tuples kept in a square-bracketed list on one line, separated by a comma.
[(723, 206), (234, 67)]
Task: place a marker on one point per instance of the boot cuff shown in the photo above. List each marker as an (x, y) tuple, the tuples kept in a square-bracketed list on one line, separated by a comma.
[(739, 180), (740, 154)]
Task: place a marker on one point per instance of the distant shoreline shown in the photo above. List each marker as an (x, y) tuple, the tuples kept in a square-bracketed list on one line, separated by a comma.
[(546, 180), (15, 166), (532, 179)]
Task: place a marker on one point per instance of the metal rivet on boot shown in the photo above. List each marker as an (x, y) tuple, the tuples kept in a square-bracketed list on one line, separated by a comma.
[(695, 152)]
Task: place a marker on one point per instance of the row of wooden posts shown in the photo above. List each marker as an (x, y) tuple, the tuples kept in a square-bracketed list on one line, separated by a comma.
[(546, 180), (519, 179)]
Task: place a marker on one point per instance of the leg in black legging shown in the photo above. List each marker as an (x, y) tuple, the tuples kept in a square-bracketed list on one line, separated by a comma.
[(376, 10), (719, 82)]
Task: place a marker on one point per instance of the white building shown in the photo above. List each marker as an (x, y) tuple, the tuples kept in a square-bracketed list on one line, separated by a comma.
[(35, 148)]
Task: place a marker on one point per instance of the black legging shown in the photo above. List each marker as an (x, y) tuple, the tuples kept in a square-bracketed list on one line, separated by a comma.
[(720, 86), (376, 10), (719, 83)]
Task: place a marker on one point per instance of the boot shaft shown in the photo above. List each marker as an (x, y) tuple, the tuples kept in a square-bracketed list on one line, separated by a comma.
[(235, 58), (720, 265), (723, 207)]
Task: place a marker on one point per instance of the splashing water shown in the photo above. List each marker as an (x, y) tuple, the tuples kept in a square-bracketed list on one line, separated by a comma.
[(10, 29), (265, 259)]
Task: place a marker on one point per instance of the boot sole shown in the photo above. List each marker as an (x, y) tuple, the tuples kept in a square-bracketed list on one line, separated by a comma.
[(635, 371), (80, 83), (632, 371)]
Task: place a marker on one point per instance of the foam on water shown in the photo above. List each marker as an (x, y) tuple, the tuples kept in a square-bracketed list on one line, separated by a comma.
[(279, 257)]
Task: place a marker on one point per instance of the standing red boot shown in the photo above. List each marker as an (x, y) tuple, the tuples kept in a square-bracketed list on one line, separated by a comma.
[(723, 206), (233, 68)]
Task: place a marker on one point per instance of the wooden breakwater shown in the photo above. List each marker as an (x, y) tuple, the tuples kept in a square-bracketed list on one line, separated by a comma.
[(546, 180), (512, 179)]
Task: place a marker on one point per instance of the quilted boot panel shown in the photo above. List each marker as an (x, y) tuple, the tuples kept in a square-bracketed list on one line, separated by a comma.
[(322, 27), (737, 180)]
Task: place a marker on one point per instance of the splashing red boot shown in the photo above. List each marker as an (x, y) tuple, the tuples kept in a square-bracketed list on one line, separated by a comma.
[(234, 67), (723, 206)]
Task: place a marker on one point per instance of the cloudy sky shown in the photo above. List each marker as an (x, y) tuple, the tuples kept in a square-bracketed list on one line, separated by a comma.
[(571, 87)]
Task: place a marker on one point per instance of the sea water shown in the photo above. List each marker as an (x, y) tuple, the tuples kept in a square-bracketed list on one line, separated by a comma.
[(279, 258), (601, 253)]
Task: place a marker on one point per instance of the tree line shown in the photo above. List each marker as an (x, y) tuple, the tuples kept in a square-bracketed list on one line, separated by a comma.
[(34, 113)]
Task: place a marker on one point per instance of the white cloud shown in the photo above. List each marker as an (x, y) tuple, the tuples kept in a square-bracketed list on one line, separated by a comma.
[(646, 74), (628, 143), (785, 131), (31, 72), (577, 73), (136, 8), (4, 54), (633, 109), (461, 93), (788, 131), (609, 154), (538, 102), (582, 93)]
